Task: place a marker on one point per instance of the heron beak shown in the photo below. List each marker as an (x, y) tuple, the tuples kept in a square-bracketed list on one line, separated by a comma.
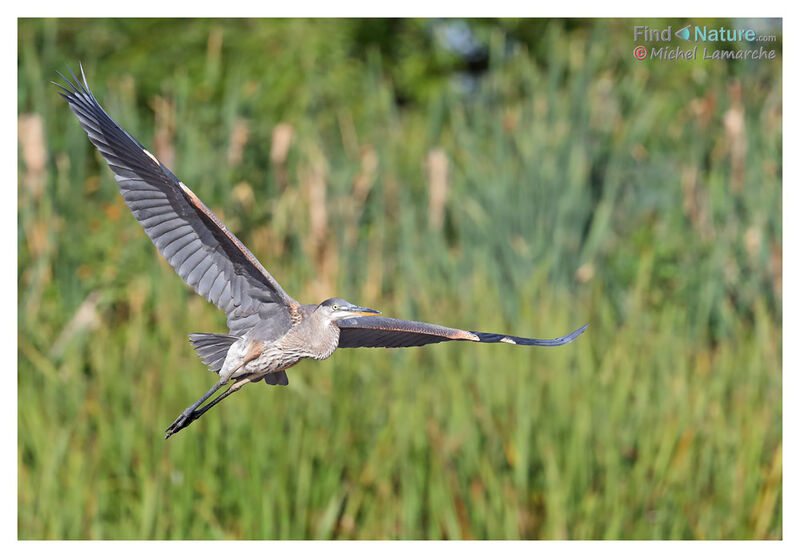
[(361, 311)]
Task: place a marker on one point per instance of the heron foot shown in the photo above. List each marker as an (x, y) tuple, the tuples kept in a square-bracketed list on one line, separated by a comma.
[(183, 420)]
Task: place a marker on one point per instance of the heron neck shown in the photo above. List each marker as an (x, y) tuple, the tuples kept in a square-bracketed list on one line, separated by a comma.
[(319, 335)]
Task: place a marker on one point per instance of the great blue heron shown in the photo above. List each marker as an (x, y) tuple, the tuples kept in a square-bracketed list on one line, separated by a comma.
[(269, 330)]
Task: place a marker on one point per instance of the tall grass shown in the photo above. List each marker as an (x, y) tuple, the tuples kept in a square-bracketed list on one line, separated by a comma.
[(572, 186)]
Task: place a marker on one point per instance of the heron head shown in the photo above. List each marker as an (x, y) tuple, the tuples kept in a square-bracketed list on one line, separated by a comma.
[(339, 309)]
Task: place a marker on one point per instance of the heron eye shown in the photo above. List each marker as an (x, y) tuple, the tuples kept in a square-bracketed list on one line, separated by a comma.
[(335, 306)]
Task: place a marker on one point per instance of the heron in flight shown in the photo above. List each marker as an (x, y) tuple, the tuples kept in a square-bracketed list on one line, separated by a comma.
[(269, 331)]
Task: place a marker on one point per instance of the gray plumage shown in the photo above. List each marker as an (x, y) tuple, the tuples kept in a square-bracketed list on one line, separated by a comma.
[(269, 331)]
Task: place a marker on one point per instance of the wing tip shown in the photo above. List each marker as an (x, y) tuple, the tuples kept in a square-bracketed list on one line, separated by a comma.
[(75, 86), (566, 339), (569, 338), (511, 340)]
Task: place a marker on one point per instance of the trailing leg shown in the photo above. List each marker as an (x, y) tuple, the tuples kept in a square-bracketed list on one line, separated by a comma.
[(197, 413)]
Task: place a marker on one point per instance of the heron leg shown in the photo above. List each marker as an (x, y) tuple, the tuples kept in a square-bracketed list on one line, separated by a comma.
[(233, 389), (197, 413), (171, 429)]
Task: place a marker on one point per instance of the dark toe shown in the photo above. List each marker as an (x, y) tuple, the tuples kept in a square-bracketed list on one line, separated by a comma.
[(178, 424)]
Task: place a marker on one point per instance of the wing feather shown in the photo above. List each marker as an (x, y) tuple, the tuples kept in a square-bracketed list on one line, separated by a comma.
[(376, 331), (204, 253)]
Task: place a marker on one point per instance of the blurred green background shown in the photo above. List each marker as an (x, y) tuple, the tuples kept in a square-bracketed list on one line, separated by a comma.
[(513, 176)]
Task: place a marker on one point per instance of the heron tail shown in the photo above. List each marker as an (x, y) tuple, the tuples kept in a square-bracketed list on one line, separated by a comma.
[(212, 348), (278, 378)]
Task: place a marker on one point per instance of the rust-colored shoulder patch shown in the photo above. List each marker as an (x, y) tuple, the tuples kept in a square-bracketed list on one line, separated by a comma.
[(254, 351), (294, 312)]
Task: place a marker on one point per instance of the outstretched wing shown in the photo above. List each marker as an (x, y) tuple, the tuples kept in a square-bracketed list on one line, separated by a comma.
[(374, 331), (206, 255)]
